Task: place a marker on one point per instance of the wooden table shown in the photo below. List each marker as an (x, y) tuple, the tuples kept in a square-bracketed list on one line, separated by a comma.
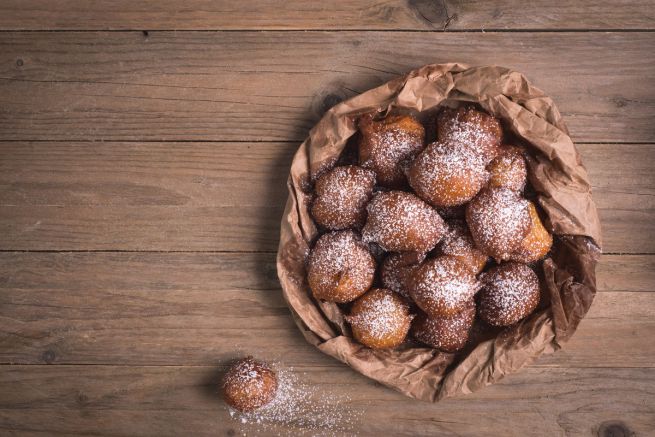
[(143, 155)]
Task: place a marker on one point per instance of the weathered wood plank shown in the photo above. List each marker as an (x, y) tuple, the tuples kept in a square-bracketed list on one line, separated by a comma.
[(274, 85), (225, 196), (305, 14), (179, 400), (192, 308)]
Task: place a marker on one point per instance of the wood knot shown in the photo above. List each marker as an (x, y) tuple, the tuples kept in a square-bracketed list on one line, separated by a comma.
[(614, 428), (145, 34), (434, 13), (19, 62), (49, 356), (230, 432)]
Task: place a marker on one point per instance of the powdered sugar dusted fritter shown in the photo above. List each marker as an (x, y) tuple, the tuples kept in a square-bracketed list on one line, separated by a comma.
[(340, 267), (442, 286), (380, 319), (397, 267), (249, 384), (448, 334), (508, 169), (459, 243), (470, 128), (536, 244), (447, 174), (401, 222), (498, 219), (341, 197), (387, 145), (510, 293)]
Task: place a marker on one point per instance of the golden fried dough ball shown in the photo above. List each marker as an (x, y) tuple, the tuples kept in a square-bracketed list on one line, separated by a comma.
[(448, 334), (341, 197), (249, 384), (508, 169), (445, 174), (340, 267), (442, 286), (386, 145), (498, 219), (458, 243), (380, 319), (401, 222), (510, 293), (396, 268), (468, 127), (536, 244)]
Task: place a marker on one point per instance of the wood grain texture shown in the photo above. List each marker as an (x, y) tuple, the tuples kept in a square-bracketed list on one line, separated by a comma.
[(172, 400), (194, 309), (306, 14), (226, 196), (274, 85)]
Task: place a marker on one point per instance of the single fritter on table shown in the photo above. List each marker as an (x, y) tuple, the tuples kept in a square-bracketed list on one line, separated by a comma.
[(249, 384)]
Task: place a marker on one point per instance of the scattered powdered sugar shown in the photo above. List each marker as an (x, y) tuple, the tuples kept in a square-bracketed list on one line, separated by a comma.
[(301, 409), (499, 220), (401, 222), (381, 315), (511, 292)]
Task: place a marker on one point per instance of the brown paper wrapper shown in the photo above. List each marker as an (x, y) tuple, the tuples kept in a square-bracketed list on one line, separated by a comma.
[(564, 192)]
